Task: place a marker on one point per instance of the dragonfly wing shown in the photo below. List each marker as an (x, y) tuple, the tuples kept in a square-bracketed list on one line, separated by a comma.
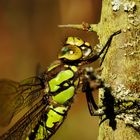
[(15, 96), (8, 94), (30, 89), (24, 126)]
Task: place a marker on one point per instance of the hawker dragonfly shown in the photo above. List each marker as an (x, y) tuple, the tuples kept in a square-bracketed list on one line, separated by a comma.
[(46, 98)]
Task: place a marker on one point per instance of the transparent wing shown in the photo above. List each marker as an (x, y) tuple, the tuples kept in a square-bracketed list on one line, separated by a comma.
[(15, 96), (25, 124)]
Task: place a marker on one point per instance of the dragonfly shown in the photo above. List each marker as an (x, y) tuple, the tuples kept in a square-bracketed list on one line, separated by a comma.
[(47, 97)]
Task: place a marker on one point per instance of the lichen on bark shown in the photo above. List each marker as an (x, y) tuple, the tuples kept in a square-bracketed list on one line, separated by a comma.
[(121, 69)]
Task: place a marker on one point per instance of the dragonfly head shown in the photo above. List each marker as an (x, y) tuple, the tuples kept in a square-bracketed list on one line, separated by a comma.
[(75, 49)]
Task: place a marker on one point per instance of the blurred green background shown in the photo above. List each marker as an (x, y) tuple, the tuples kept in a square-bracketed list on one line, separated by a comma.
[(29, 35)]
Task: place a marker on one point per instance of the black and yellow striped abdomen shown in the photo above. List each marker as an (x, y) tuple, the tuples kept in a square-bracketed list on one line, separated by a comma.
[(60, 90)]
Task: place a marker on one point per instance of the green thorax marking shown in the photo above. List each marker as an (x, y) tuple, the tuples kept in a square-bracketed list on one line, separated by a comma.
[(62, 86), (61, 77), (64, 95)]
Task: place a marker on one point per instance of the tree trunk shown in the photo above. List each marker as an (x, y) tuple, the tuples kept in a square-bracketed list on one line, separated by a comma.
[(121, 67)]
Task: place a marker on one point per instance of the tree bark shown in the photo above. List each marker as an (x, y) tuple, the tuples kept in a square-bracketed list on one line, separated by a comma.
[(121, 67)]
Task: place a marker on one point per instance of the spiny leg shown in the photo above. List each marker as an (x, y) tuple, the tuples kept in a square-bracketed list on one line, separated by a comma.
[(96, 55), (106, 47), (107, 107), (89, 77), (90, 100)]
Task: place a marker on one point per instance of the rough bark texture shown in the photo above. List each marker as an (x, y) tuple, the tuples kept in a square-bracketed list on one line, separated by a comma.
[(121, 67)]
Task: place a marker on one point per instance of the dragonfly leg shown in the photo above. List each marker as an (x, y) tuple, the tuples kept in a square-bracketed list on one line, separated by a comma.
[(91, 83), (96, 55), (90, 100)]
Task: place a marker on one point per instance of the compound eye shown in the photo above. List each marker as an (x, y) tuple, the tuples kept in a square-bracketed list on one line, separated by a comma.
[(65, 50), (70, 52)]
